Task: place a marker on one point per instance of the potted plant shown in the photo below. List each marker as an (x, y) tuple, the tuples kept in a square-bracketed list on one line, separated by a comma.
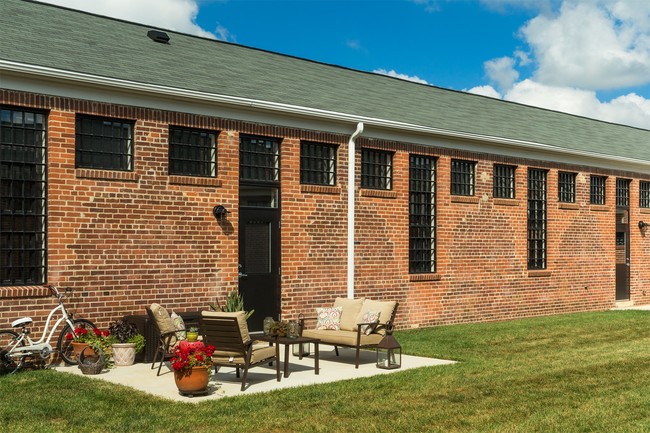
[(95, 339), (193, 334), (191, 367), (234, 302), (127, 343), (279, 328)]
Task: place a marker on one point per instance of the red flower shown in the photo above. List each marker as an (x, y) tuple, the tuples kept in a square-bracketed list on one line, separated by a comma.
[(97, 332), (69, 336), (106, 333)]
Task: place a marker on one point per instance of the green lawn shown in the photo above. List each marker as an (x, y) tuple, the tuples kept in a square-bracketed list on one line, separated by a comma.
[(572, 373)]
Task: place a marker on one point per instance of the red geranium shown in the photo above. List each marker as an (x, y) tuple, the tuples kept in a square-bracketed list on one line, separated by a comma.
[(185, 358)]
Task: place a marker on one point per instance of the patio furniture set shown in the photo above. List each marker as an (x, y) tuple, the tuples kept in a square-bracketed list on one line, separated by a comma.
[(354, 323)]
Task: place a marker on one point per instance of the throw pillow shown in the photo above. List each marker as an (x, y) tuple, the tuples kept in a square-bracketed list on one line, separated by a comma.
[(179, 324), (329, 318), (369, 317)]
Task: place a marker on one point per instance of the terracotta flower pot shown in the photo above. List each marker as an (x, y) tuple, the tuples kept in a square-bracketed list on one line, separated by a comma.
[(192, 381), (78, 347)]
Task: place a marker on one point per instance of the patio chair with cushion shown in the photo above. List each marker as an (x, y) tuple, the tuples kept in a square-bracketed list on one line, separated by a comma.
[(169, 334), (228, 332)]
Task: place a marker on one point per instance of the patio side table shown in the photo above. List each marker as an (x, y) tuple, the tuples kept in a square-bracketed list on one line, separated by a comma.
[(288, 342)]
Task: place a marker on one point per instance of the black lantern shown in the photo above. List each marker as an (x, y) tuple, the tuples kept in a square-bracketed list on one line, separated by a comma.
[(389, 352)]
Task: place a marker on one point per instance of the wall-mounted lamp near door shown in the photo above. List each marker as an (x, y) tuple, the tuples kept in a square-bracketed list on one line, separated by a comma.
[(643, 226), (220, 213)]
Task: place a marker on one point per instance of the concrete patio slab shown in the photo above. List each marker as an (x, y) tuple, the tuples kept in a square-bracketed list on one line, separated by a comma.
[(260, 378)]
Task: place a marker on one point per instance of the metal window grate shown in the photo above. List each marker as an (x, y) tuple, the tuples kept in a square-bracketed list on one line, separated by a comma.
[(259, 159), (566, 187), (504, 181), (376, 169), (317, 163), (537, 219), (644, 194), (192, 152), (23, 206), (422, 214), (623, 192), (103, 143), (462, 177), (597, 190)]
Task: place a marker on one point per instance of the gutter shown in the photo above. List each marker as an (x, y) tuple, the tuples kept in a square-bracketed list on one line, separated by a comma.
[(302, 111), (351, 199)]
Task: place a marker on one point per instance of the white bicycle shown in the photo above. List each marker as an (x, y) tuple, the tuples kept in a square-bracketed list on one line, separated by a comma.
[(16, 346)]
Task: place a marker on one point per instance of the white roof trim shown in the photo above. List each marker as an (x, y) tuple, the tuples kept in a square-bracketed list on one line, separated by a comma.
[(299, 110)]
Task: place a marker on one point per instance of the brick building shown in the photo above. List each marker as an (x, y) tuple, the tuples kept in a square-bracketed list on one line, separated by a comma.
[(141, 165)]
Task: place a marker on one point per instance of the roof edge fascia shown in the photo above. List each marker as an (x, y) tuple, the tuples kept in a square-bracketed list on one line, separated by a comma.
[(278, 107)]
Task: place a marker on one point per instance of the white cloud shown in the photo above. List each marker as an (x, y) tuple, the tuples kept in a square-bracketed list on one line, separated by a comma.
[(630, 109), (577, 50), (392, 73), (177, 15), (223, 34), (502, 72), (601, 44), (485, 91), (354, 44)]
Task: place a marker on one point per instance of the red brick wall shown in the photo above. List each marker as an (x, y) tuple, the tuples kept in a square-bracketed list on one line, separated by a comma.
[(124, 240)]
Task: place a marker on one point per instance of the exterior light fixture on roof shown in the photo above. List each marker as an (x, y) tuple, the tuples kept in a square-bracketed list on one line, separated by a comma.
[(158, 36)]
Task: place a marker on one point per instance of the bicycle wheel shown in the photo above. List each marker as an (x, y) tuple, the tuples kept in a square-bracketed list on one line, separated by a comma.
[(10, 364), (64, 345)]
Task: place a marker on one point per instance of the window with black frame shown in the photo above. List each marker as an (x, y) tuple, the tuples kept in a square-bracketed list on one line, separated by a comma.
[(259, 159), (623, 192), (537, 218), (566, 187), (23, 188), (597, 189), (103, 143), (504, 181), (644, 194), (376, 169), (462, 177), (317, 163), (422, 214), (192, 152)]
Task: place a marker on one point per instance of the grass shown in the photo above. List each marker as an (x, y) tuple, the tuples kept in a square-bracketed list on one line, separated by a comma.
[(572, 373)]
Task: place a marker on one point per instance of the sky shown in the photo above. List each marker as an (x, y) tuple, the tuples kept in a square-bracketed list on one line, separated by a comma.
[(585, 57)]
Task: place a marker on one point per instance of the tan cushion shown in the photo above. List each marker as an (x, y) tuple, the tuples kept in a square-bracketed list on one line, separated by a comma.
[(259, 354), (347, 338), (384, 308), (351, 309), (163, 320), (241, 320)]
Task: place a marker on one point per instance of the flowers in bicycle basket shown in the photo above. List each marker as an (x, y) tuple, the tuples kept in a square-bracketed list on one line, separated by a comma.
[(185, 358)]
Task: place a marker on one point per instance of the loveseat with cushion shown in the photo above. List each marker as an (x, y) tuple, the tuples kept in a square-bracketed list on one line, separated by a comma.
[(357, 323)]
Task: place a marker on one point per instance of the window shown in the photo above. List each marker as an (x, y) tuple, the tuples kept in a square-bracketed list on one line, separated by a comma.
[(644, 194), (317, 163), (23, 186), (566, 187), (376, 169), (536, 219), (597, 190), (462, 177), (192, 152), (422, 214), (504, 181), (105, 144), (622, 192), (259, 159)]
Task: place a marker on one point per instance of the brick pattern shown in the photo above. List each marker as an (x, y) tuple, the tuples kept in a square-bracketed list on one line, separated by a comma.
[(126, 239)]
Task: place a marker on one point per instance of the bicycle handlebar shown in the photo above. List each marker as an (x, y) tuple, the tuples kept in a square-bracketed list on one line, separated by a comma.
[(56, 293)]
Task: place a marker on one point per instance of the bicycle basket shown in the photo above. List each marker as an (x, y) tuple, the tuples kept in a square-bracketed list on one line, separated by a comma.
[(91, 365)]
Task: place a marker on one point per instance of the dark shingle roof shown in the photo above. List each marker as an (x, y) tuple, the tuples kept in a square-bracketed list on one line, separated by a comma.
[(74, 41)]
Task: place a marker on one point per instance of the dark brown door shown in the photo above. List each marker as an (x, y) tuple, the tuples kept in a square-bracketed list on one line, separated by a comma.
[(259, 263), (622, 255)]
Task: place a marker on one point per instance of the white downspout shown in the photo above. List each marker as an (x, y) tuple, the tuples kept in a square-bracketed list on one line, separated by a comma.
[(351, 197)]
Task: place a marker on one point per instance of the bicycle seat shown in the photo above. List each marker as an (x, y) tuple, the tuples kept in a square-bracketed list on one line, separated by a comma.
[(25, 321)]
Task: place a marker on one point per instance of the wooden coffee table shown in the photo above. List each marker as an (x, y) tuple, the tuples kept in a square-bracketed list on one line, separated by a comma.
[(288, 342)]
